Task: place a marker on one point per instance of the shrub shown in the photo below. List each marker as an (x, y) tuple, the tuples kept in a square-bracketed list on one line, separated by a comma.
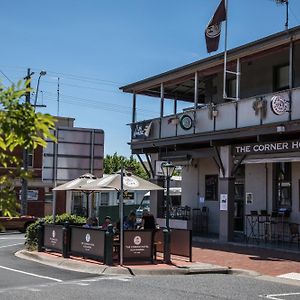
[(31, 235)]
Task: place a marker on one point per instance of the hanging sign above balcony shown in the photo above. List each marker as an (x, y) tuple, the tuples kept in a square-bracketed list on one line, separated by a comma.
[(141, 130), (279, 105)]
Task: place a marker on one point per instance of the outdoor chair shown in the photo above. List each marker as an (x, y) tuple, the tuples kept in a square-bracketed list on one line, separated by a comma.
[(294, 233), (204, 223)]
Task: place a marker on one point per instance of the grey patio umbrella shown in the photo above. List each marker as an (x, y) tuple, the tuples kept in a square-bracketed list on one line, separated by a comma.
[(130, 183), (122, 181), (74, 185)]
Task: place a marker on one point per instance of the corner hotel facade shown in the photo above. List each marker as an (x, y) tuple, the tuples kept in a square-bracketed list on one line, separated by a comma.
[(237, 156)]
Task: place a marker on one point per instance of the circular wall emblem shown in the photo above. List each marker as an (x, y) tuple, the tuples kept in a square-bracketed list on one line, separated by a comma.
[(87, 237), (186, 122), (213, 31), (53, 233), (279, 105), (137, 240)]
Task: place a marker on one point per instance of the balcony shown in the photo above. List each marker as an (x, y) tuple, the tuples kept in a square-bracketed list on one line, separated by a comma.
[(207, 120)]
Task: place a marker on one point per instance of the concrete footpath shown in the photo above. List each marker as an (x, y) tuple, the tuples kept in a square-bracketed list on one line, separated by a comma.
[(178, 266), (208, 257)]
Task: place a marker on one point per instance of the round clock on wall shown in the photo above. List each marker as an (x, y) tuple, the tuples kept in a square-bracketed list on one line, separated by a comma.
[(186, 122)]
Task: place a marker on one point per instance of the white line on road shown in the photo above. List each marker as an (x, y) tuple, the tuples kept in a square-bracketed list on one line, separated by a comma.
[(11, 245), (12, 238), (275, 296), (31, 274)]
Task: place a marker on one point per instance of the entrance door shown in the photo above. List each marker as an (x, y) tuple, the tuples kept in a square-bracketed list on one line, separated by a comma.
[(239, 199)]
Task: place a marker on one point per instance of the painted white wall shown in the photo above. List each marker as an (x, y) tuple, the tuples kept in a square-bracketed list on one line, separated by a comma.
[(255, 183), (193, 187)]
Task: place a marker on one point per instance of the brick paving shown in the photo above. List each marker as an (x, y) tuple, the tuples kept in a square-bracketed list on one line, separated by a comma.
[(265, 261)]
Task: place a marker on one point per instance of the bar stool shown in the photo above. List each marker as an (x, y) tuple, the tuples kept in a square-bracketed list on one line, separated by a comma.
[(204, 212), (271, 226), (263, 228)]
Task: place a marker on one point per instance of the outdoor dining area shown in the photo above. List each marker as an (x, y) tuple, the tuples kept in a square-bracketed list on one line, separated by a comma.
[(116, 243), (272, 227), (139, 246)]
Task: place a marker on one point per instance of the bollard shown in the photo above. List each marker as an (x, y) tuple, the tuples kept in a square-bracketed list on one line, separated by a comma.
[(167, 246), (108, 251), (40, 233), (66, 240)]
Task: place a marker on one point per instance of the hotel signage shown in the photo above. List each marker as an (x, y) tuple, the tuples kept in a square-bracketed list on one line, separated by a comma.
[(87, 241), (266, 147), (138, 244), (53, 237)]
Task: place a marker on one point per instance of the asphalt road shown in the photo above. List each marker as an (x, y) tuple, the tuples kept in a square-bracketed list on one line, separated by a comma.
[(22, 279)]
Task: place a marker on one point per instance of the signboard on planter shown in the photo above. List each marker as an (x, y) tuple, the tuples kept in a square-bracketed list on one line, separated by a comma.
[(88, 242), (138, 245), (53, 237)]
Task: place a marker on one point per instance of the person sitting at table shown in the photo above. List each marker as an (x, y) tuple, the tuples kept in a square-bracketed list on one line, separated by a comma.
[(148, 221), (107, 221), (130, 221), (89, 223)]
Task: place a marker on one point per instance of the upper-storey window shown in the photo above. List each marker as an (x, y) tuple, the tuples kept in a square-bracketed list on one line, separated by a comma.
[(231, 88), (281, 77)]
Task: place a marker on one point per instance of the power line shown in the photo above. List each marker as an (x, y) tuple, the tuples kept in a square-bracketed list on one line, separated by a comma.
[(112, 108), (6, 76), (84, 78), (70, 76), (85, 87)]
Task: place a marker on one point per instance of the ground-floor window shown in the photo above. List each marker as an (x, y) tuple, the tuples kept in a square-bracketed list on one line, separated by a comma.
[(211, 187), (283, 185), (79, 205), (104, 199)]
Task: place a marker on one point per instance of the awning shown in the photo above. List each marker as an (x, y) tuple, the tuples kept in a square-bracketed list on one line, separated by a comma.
[(271, 159)]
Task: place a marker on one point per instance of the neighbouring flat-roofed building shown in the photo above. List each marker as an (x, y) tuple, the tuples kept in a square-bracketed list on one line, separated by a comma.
[(77, 151), (239, 152)]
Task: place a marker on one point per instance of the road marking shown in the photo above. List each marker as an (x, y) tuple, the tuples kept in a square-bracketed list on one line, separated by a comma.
[(275, 296), (118, 278), (31, 274), (293, 275), (12, 238), (11, 245)]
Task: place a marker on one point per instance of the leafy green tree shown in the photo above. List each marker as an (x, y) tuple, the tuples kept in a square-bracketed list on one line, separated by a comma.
[(21, 127), (113, 163)]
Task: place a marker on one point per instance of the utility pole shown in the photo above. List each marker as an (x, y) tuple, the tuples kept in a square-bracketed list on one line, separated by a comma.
[(286, 2), (25, 152)]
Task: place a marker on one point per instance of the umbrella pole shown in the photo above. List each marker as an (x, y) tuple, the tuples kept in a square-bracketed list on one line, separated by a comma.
[(121, 217), (87, 205), (54, 206)]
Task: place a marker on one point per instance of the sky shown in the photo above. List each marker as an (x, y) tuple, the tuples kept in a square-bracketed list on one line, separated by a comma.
[(96, 46)]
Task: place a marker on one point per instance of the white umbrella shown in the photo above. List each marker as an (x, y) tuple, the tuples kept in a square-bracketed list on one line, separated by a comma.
[(130, 183), (122, 181), (76, 183)]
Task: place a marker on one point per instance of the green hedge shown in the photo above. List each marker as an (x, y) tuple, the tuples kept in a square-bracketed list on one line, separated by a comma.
[(32, 230)]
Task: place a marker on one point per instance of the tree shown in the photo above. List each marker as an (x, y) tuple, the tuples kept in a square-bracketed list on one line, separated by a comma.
[(21, 127), (113, 163)]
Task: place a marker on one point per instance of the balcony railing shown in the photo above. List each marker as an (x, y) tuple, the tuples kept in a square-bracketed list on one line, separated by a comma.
[(261, 110)]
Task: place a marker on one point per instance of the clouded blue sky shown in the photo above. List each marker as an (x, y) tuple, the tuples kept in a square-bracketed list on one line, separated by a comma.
[(96, 46)]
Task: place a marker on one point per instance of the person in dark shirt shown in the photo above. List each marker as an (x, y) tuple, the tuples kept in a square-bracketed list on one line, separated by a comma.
[(148, 221), (107, 221), (130, 221)]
